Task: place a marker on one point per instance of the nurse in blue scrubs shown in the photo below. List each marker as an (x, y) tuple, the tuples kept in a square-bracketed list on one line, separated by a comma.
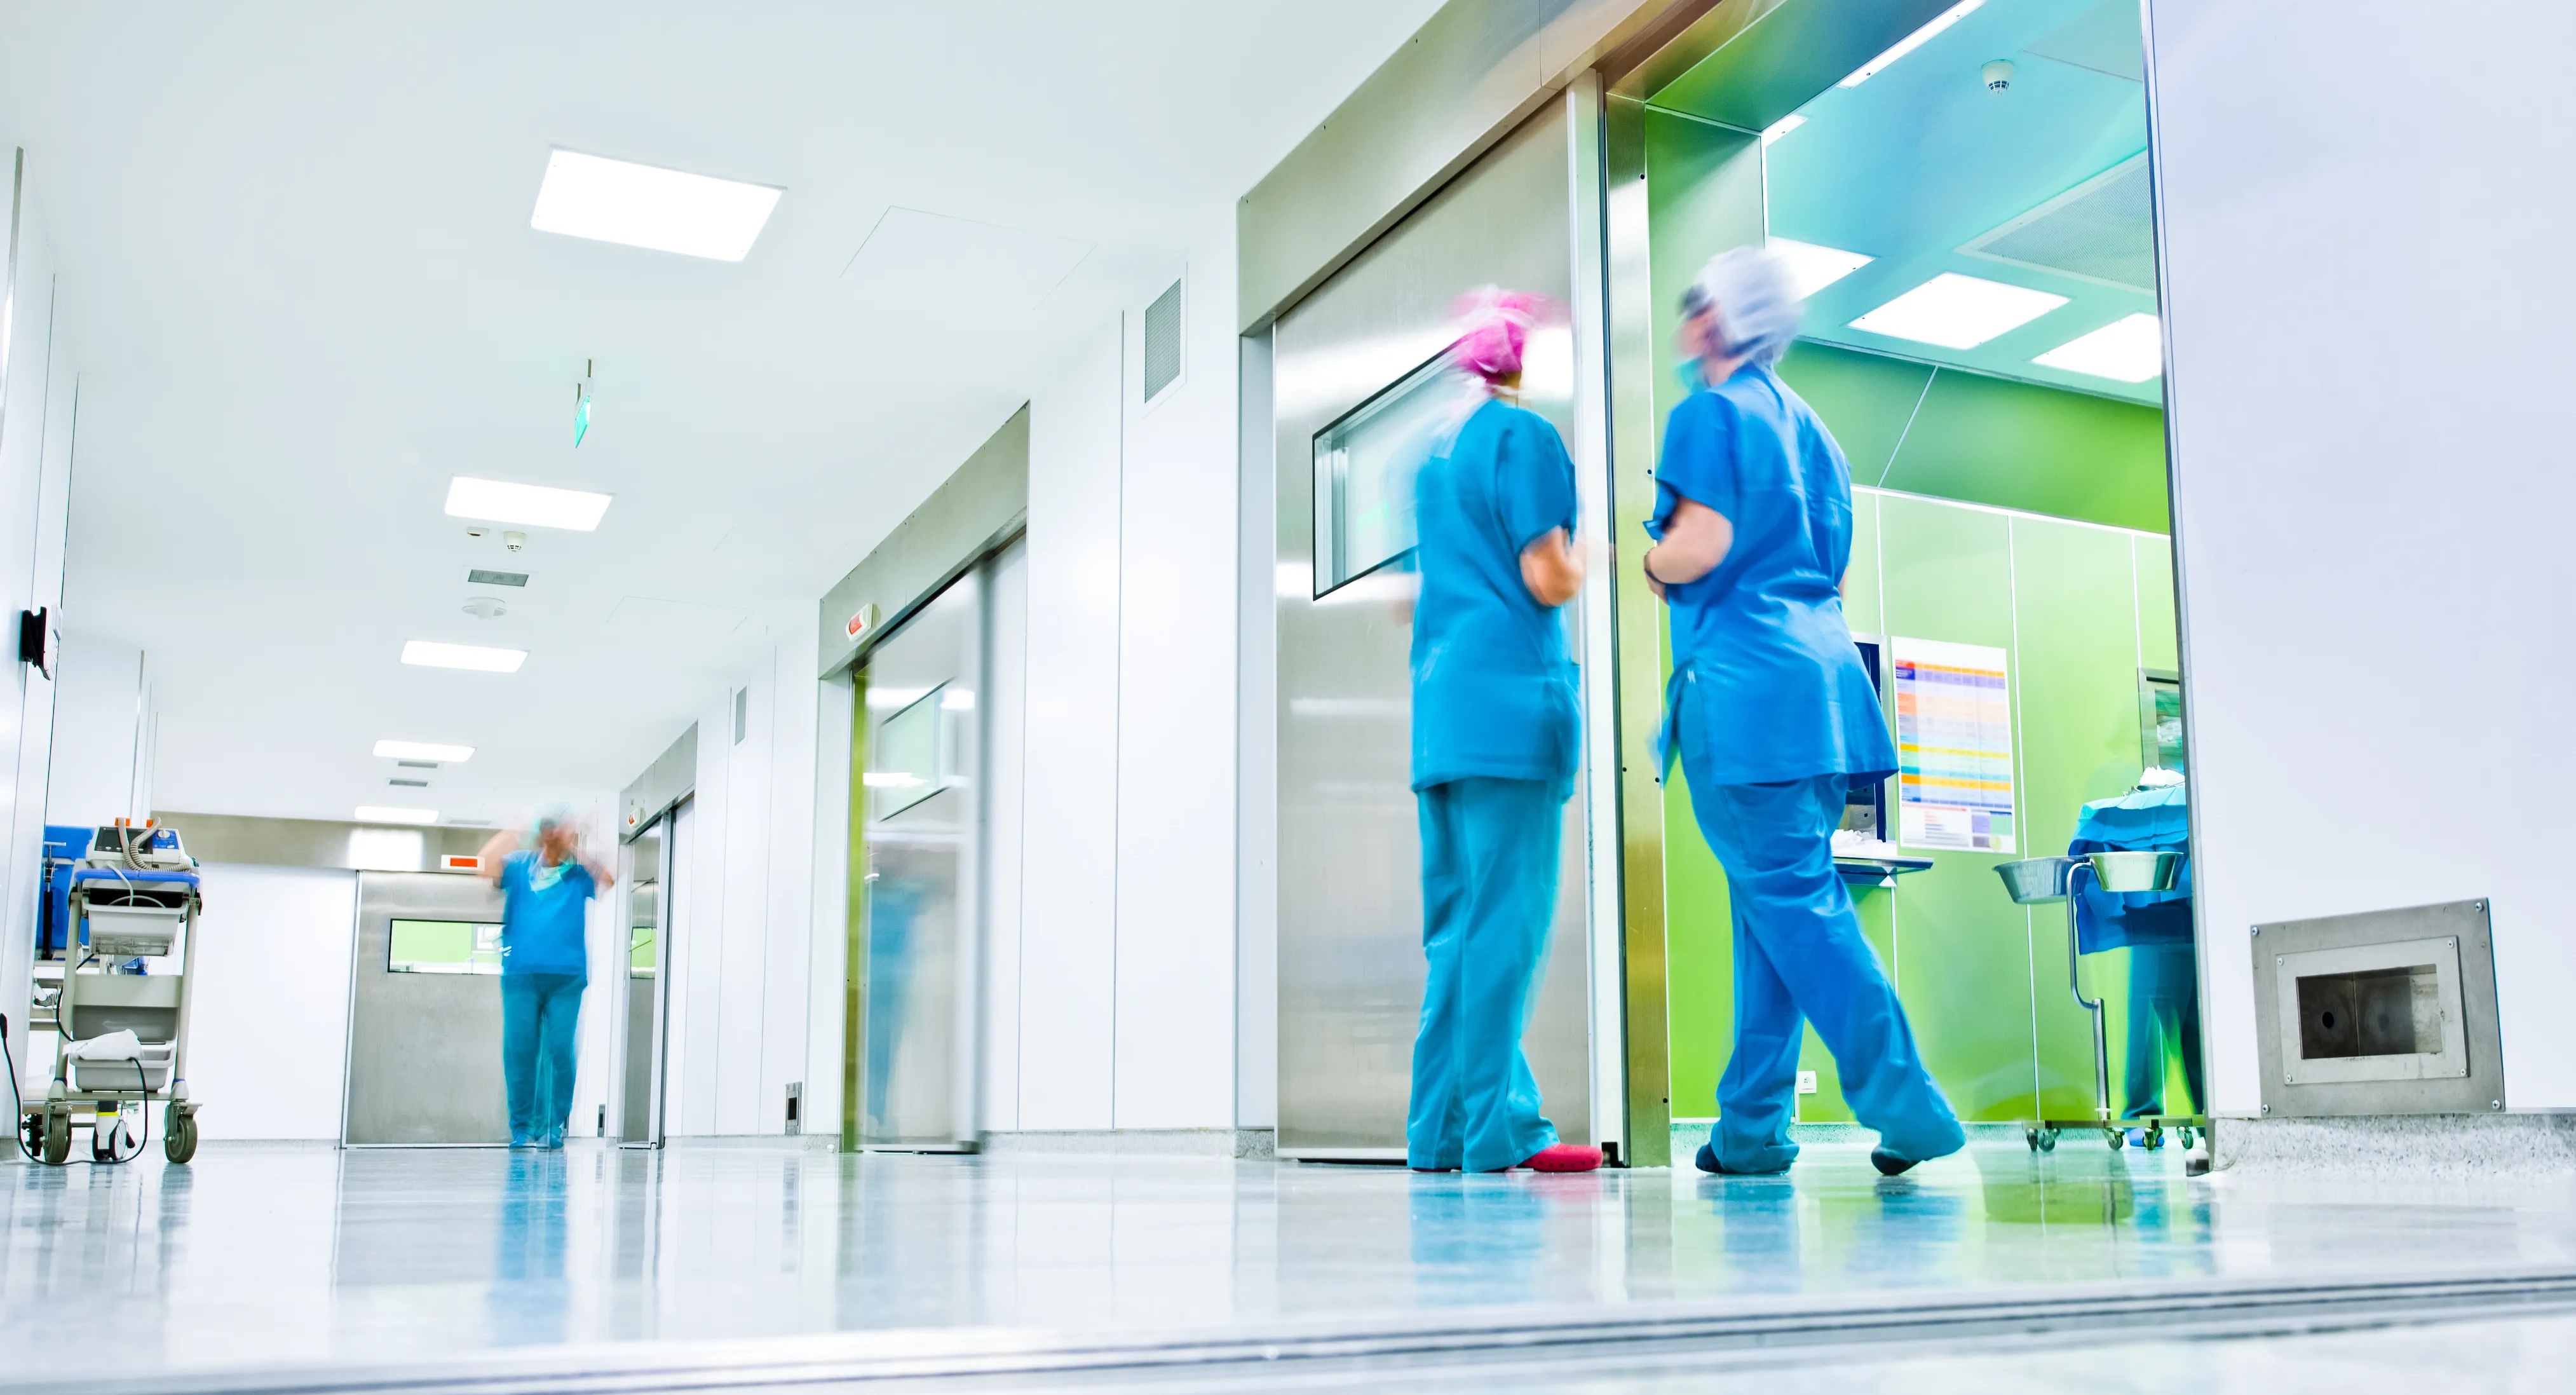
[(1774, 719), (1495, 728)]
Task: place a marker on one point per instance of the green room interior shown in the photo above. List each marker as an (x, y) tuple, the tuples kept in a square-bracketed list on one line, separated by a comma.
[(1997, 502)]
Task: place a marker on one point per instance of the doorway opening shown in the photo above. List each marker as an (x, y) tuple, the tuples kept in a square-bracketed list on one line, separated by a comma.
[(1963, 192)]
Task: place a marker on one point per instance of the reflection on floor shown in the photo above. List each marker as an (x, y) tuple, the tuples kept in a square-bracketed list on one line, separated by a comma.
[(292, 1255)]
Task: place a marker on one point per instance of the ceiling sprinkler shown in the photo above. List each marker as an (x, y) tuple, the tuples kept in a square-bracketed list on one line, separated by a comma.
[(1998, 74), (487, 607)]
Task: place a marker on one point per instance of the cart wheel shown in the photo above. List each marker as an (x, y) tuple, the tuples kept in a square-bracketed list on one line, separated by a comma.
[(102, 1138), (31, 1133), (2116, 1138), (58, 1137), (2186, 1136), (2031, 1137), (2155, 1138), (179, 1135), (2048, 1140)]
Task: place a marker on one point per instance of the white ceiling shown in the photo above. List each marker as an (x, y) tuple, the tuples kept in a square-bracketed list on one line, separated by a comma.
[(295, 259)]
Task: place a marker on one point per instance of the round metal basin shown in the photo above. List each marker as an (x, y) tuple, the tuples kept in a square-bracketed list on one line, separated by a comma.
[(2137, 871), (2035, 879)]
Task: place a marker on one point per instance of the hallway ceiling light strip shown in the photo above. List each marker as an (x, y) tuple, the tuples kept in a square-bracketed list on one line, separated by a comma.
[(2130, 349), (536, 505), (423, 750), (1910, 42), (695, 215), (1958, 312), (430, 653), (387, 813)]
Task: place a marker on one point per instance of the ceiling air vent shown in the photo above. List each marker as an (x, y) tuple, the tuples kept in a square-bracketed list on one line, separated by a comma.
[(481, 576), (417, 764), (1162, 342), (409, 784), (2102, 230)]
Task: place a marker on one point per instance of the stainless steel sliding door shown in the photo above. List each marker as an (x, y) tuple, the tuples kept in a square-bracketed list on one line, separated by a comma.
[(1354, 365)]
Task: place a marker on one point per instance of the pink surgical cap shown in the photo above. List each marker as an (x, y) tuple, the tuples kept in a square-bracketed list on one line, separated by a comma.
[(1494, 327)]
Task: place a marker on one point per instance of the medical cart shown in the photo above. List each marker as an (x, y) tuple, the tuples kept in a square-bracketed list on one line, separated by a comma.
[(132, 898), (2038, 880)]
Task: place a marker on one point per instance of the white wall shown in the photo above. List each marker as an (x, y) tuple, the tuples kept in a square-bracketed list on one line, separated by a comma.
[(104, 722), (1176, 722), (741, 954), (38, 401), (2368, 290), (1069, 858), (1127, 999), (269, 1014)]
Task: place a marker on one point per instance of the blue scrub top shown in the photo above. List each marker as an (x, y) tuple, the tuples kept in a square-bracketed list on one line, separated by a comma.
[(1493, 684), (542, 928), (2150, 820), (1766, 684)]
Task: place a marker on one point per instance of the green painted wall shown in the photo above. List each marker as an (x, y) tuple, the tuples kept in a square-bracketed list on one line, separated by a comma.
[(1957, 435)]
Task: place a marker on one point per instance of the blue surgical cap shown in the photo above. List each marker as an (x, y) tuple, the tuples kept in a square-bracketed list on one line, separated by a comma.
[(1757, 307), (553, 816)]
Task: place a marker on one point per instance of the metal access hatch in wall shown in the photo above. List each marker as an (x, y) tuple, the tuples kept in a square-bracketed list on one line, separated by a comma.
[(2384, 1012)]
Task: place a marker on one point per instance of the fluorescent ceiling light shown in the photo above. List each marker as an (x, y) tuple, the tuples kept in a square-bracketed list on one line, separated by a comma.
[(1910, 42), (2127, 350), (429, 653), (423, 750), (380, 813), (1958, 312), (890, 780), (536, 505), (641, 206), (1782, 127), (1813, 267)]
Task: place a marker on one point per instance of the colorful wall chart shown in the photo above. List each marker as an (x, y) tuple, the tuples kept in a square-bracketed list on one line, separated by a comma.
[(1954, 748)]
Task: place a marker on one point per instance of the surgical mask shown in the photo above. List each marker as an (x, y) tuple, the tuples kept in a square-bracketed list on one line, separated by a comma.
[(1688, 375)]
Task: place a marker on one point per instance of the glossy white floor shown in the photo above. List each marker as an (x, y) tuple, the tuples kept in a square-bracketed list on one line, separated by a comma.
[(257, 1256)]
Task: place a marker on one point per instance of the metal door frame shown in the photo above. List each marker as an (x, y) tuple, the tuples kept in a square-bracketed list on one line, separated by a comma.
[(666, 884)]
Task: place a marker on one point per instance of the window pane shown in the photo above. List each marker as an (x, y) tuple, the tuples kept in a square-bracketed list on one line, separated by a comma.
[(1364, 467), (444, 947)]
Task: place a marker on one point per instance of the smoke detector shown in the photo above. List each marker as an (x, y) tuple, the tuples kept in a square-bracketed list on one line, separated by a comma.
[(1997, 74), (487, 607)]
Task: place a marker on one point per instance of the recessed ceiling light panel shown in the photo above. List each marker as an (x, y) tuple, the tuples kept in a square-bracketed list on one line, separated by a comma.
[(382, 813), (537, 505), (1813, 267), (429, 653), (1910, 42), (2127, 350), (644, 206), (1958, 312), (423, 750)]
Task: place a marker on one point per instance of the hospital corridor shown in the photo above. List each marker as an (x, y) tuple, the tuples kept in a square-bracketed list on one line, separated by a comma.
[(1501, 695)]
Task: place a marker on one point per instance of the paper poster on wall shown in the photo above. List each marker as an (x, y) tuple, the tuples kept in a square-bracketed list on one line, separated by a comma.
[(1953, 746)]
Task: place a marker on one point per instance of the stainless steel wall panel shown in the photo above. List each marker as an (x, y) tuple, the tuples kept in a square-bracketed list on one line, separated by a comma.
[(1350, 909)]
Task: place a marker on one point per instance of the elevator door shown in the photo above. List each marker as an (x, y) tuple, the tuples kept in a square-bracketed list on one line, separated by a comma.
[(1357, 385), (919, 799), (425, 1013)]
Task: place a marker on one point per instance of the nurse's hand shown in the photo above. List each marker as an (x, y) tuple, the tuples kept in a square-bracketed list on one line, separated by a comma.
[(1655, 586)]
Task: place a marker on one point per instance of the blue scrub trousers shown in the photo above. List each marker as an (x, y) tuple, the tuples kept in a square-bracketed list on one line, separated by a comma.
[(2164, 1018), (1800, 957), (539, 1016), (1489, 852)]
